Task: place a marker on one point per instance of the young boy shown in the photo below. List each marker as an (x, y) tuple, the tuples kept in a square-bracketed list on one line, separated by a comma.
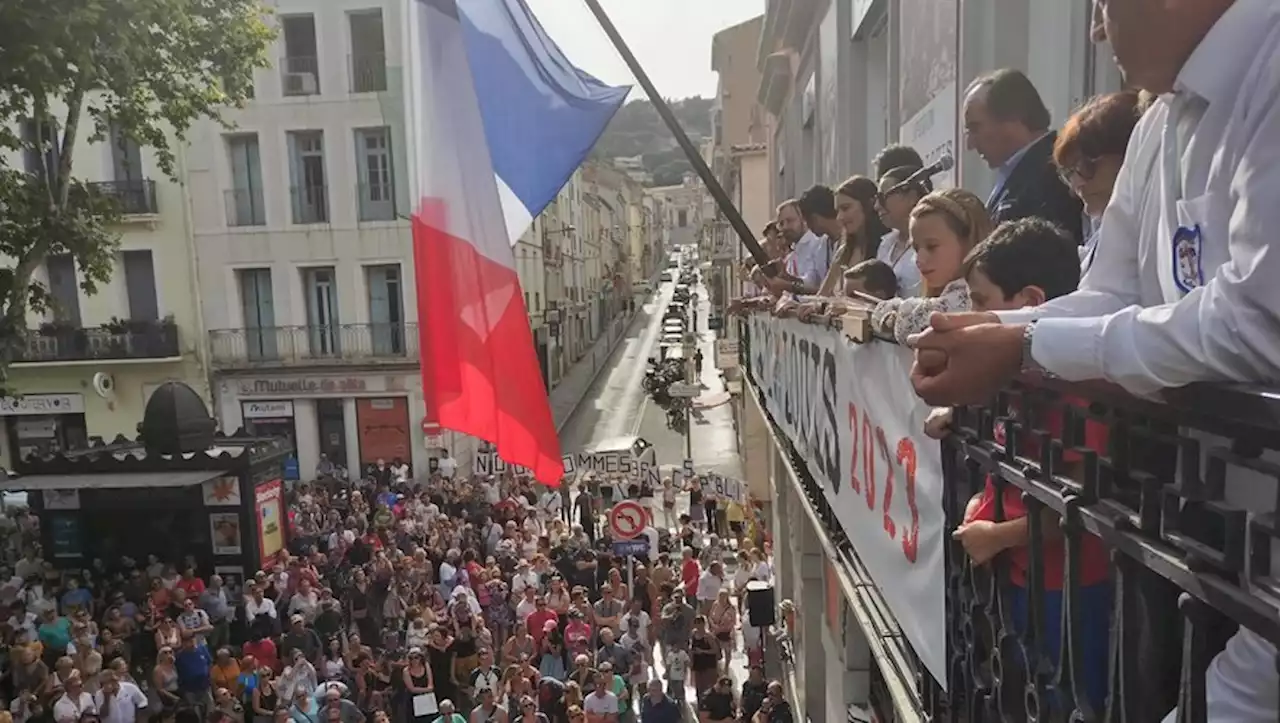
[(1025, 263), (873, 277)]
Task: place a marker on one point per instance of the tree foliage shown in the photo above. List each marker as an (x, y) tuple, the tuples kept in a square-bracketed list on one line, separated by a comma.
[(70, 71)]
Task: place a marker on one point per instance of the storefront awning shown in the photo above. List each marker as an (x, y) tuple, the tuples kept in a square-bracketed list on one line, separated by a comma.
[(34, 483)]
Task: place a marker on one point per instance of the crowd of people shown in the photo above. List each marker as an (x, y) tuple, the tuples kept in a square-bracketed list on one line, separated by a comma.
[(899, 252), (484, 599)]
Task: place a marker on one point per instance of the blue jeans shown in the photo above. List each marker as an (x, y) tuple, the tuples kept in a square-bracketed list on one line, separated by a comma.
[(1094, 639)]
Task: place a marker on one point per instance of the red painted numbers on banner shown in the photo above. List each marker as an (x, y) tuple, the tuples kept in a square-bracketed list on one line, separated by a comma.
[(868, 441)]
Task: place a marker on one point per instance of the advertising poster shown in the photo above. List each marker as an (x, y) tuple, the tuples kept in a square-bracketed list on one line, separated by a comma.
[(927, 95), (224, 531), (269, 510)]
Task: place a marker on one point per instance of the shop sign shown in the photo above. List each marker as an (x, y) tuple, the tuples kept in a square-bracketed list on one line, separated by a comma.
[(267, 410), (301, 386), (41, 404)]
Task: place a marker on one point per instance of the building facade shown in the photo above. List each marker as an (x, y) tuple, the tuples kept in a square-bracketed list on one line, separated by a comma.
[(839, 80), (90, 364), (299, 216)]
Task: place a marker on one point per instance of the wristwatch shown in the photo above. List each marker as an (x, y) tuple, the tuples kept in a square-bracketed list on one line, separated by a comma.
[(1029, 365)]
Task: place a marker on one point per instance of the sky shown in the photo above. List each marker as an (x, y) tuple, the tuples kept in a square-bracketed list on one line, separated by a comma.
[(670, 38)]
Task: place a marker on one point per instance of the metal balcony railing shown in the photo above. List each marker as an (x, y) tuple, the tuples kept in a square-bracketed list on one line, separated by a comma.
[(317, 345), (131, 197), (368, 72), (57, 342), (310, 204), (299, 75), (245, 207), (1128, 499)]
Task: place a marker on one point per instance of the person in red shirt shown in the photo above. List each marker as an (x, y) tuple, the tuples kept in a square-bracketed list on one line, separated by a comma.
[(263, 650), (190, 584), (538, 619), (690, 573), (1025, 263)]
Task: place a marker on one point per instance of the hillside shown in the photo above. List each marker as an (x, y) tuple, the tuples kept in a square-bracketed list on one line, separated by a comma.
[(638, 130)]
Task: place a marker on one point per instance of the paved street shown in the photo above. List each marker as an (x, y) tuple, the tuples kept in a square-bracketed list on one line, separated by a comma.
[(617, 406)]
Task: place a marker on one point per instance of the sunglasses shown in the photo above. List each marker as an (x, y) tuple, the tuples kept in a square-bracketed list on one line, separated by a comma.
[(882, 197)]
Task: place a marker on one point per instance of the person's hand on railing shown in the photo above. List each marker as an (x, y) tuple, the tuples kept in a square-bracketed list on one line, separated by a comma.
[(785, 308), (964, 358), (983, 539), (810, 309), (938, 424)]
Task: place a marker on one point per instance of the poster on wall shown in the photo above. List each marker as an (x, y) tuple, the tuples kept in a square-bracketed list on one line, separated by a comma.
[(232, 580), (268, 509), (61, 499), (65, 531), (927, 90), (224, 531), (221, 492), (384, 429)]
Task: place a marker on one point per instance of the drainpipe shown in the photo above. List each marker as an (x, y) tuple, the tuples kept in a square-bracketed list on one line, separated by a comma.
[(193, 268)]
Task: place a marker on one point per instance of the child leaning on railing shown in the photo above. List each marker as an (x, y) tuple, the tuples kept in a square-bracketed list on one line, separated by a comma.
[(1025, 263)]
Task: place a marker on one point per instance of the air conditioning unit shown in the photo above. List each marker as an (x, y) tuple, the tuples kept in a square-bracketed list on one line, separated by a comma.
[(301, 84)]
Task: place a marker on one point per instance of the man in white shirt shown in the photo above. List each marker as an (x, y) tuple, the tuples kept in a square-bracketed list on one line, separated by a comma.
[(119, 701), (75, 702), (709, 585), (549, 503), (447, 465), (810, 253), (1183, 288)]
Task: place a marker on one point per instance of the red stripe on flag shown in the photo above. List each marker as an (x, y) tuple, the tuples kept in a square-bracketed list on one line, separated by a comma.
[(482, 382)]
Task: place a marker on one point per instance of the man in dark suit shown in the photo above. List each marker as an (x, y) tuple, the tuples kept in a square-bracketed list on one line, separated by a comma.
[(1006, 123)]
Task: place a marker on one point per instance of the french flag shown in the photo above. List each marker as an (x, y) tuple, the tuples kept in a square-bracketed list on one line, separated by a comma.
[(501, 119)]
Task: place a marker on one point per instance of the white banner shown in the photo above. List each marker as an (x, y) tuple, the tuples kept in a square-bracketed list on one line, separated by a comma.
[(851, 412)]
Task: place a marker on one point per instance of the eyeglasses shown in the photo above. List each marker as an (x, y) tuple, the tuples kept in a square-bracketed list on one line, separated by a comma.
[(1084, 169)]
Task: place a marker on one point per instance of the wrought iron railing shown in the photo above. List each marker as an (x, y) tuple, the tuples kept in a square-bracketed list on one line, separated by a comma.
[(316, 345), (1162, 556), (57, 342), (368, 72), (310, 204), (131, 197)]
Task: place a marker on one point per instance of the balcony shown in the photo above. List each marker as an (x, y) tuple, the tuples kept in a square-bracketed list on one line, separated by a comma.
[(132, 198), (58, 343), (368, 72), (245, 208), (299, 75), (340, 344), (1144, 551), (310, 204)]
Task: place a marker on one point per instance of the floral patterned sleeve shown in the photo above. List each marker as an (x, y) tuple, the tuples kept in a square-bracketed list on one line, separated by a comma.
[(904, 317)]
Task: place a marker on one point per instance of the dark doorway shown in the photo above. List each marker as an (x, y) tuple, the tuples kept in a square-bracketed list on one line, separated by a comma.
[(333, 430)]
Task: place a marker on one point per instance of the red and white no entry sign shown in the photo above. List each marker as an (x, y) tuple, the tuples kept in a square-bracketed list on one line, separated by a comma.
[(627, 520)]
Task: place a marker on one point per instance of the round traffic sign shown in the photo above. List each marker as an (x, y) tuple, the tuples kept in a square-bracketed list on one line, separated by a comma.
[(627, 520)]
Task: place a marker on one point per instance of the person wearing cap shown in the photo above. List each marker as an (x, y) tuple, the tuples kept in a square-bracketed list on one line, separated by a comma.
[(302, 638)]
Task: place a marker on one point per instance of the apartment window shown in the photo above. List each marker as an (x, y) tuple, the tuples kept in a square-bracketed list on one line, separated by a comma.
[(373, 158), (322, 310), (64, 290), (368, 52), (126, 156), (245, 206), (37, 136), (386, 310), (300, 67), (140, 285), (684, 218), (258, 309), (306, 163)]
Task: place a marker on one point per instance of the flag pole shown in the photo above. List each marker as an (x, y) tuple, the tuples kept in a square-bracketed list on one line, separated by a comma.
[(726, 207)]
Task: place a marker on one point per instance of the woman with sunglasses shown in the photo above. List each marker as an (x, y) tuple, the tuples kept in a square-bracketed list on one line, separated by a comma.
[(164, 680), (894, 201), (418, 682)]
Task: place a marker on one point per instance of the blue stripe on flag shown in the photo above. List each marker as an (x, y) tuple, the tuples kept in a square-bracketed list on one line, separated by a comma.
[(541, 114)]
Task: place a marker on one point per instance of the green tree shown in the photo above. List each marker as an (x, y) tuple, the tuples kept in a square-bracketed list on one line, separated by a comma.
[(70, 70)]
